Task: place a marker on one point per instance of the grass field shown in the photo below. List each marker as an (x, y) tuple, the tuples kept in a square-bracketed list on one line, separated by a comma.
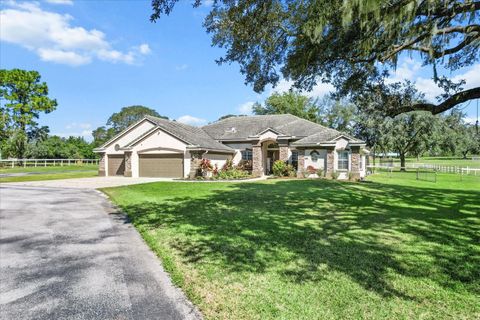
[(390, 248), (445, 161), (51, 176), (50, 169), (49, 173)]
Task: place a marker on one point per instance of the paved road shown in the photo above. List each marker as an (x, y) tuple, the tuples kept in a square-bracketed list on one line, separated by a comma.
[(65, 254)]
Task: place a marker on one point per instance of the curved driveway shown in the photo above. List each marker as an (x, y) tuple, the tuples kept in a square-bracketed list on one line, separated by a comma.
[(66, 254)]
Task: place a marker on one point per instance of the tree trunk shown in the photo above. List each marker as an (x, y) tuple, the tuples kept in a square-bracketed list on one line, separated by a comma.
[(402, 161)]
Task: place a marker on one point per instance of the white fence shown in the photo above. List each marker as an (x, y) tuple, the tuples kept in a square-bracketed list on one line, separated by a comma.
[(13, 163), (433, 167)]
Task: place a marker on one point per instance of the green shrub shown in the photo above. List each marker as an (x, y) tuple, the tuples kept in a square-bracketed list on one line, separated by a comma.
[(279, 167), (350, 175), (335, 175), (320, 172), (282, 169), (233, 174)]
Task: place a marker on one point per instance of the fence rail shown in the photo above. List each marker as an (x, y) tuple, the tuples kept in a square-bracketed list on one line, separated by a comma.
[(434, 167), (12, 163)]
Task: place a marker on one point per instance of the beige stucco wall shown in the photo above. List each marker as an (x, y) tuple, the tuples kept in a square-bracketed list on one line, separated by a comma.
[(321, 162), (122, 141), (217, 158), (134, 133), (238, 147), (268, 135), (160, 142)]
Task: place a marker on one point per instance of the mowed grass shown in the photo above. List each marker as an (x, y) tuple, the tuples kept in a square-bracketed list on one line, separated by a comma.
[(49, 169), (51, 176), (316, 249), (446, 161)]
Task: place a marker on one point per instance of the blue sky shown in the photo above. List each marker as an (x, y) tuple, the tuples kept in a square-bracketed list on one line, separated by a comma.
[(99, 56)]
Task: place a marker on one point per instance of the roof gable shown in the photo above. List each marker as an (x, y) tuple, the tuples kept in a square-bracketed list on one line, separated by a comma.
[(125, 132)]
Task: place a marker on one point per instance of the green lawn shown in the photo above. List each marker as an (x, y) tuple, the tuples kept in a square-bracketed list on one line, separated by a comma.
[(50, 176), (445, 161), (50, 168), (390, 248)]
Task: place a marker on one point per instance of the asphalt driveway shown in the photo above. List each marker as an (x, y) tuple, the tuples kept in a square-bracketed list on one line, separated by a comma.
[(66, 254), (87, 183)]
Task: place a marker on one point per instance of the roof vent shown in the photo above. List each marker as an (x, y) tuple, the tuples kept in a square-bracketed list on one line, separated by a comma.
[(232, 130)]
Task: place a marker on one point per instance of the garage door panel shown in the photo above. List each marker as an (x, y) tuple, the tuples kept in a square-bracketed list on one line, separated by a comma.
[(161, 165), (116, 165)]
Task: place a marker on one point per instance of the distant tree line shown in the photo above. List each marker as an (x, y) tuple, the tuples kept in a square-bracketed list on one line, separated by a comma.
[(23, 97)]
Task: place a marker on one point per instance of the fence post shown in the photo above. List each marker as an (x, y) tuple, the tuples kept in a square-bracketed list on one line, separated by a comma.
[(417, 173), (24, 163), (13, 164), (45, 162)]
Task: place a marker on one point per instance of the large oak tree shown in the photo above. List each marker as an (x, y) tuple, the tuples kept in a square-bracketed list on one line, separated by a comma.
[(347, 43)]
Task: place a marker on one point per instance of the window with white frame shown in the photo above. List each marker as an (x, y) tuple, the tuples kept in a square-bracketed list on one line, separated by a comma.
[(361, 163), (247, 154), (314, 156), (343, 160)]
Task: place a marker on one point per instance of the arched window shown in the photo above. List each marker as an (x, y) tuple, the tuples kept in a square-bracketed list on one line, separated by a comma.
[(314, 156)]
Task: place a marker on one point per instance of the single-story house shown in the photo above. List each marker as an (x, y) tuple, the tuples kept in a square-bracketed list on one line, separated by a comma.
[(155, 147)]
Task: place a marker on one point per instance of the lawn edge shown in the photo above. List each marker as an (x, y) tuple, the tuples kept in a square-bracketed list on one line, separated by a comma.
[(165, 258)]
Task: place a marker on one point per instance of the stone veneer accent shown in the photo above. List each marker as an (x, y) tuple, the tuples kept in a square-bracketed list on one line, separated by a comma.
[(330, 162), (257, 158), (355, 165), (301, 163), (195, 161), (101, 165), (283, 153), (128, 164)]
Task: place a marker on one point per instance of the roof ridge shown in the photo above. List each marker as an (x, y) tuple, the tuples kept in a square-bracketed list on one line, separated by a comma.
[(249, 117)]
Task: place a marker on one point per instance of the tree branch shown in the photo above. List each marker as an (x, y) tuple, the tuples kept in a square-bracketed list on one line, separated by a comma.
[(454, 10), (456, 99)]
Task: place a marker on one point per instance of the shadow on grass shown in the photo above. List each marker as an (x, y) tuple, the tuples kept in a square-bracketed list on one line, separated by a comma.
[(299, 229)]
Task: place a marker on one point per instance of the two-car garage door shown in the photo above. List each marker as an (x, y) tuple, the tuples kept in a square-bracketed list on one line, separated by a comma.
[(161, 165)]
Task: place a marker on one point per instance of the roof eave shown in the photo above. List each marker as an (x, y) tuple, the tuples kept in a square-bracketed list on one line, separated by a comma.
[(199, 148)]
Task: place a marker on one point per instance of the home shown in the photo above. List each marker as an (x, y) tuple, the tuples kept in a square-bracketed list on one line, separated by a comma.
[(155, 147)]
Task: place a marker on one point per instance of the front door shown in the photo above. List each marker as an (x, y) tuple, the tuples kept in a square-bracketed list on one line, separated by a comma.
[(272, 156)]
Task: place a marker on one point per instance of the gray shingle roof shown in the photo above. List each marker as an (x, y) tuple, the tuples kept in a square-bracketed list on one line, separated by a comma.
[(192, 135), (322, 137), (240, 128)]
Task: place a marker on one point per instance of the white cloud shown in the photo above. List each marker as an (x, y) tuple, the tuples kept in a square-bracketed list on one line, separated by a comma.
[(246, 108), (65, 57), (410, 69), (66, 2), (318, 91), (193, 121), (77, 129), (406, 71), (470, 120), (208, 3), (144, 48), (52, 37)]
